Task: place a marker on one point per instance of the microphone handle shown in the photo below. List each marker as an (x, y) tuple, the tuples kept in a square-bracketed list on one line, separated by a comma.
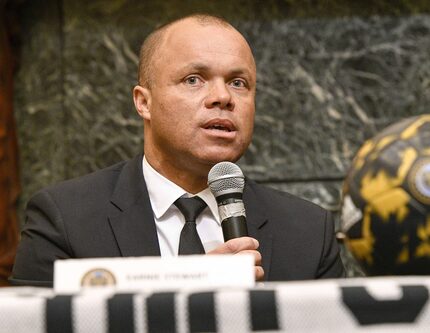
[(234, 227)]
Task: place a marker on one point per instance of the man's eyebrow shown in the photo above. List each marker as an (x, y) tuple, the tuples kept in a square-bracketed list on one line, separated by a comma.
[(240, 71), (196, 66)]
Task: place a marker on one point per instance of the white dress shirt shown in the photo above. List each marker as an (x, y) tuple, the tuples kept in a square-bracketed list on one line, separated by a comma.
[(169, 220)]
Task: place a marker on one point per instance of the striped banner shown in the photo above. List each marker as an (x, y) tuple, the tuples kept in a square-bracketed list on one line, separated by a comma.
[(350, 305)]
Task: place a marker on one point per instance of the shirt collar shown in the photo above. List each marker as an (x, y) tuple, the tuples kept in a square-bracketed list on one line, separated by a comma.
[(163, 192)]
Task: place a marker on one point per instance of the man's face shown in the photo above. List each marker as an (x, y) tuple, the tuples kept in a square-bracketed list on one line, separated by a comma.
[(201, 109)]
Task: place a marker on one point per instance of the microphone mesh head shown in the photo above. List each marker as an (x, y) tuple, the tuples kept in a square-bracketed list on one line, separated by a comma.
[(225, 177)]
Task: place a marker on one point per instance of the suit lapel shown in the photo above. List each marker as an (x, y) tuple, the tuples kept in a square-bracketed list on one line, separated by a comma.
[(257, 220), (130, 215)]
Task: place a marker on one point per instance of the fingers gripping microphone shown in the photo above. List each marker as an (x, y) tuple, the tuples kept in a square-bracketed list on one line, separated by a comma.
[(226, 182)]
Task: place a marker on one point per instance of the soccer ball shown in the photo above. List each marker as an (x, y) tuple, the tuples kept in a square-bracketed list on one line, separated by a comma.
[(385, 215)]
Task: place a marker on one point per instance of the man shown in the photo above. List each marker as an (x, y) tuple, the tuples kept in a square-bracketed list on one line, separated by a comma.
[(196, 91)]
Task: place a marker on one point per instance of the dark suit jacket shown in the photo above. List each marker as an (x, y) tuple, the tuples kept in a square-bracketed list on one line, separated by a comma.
[(108, 214)]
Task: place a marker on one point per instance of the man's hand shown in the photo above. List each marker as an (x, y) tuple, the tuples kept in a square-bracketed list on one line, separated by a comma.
[(243, 245)]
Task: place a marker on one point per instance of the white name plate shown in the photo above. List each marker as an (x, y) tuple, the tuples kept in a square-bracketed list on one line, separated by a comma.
[(154, 273)]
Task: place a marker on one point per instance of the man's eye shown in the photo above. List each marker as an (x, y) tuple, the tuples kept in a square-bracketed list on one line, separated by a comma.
[(238, 83), (192, 80)]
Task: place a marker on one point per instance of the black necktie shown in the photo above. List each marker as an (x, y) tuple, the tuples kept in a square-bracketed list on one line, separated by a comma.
[(189, 242)]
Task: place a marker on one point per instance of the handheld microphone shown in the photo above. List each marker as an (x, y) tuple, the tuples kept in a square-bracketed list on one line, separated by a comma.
[(226, 182)]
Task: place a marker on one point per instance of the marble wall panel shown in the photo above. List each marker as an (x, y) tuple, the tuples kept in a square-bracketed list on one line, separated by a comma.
[(38, 95), (327, 85), (99, 75)]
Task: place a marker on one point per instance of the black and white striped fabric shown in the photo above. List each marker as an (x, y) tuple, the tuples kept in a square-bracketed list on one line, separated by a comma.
[(350, 305)]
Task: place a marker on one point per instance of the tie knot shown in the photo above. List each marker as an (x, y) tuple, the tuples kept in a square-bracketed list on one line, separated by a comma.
[(190, 207)]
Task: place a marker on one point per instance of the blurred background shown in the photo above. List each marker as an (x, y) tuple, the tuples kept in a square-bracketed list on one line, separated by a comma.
[(331, 74)]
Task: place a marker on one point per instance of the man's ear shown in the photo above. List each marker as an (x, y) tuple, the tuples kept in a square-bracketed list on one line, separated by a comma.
[(142, 101)]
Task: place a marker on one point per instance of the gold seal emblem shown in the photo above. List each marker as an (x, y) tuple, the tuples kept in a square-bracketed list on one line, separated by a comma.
[(419, 181), (98, 277)]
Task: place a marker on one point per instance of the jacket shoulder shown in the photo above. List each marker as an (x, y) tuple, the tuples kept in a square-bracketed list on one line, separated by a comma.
[(281, 200), (96, 181), (78, 195)]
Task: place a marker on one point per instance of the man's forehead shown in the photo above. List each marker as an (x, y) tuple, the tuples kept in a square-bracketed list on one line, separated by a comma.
[(220, 37), (188, 28), (195, 23)]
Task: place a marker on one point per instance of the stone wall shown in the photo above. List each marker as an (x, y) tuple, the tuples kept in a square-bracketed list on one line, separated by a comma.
[(324, 86)]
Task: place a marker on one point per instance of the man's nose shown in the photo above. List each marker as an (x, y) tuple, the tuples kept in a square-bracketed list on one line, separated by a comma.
[(219, 96)]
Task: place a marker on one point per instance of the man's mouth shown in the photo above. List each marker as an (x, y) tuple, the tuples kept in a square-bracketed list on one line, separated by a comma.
[(220, 128), (220, 125)]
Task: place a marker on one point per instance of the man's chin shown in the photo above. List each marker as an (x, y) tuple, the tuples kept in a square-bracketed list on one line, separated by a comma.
[(209, 155), (212, 159)]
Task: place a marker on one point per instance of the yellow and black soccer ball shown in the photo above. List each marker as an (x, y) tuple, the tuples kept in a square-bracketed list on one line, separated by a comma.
[(385, 216)]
